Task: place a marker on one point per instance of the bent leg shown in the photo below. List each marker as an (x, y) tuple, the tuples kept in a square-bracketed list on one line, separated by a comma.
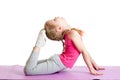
[(32, 60), (48, 66)]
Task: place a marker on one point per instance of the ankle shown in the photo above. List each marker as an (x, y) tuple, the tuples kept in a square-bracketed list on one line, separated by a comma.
[(36, 49)]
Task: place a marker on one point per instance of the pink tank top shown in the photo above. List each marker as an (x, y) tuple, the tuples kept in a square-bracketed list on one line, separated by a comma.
[(70, 53)]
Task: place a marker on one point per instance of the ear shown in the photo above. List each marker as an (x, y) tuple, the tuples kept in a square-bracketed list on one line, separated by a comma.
[(59, 29)]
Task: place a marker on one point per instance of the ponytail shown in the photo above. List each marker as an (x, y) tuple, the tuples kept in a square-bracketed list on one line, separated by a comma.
[(79, 31)]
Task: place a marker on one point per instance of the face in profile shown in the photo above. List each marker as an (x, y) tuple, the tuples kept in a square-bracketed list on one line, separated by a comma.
[(60, 21), (54, 28)]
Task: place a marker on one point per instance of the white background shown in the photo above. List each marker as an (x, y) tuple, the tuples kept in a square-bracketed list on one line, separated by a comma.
[(21, 20)]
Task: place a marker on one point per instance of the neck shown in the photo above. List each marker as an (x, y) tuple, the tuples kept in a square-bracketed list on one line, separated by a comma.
[(65, 30)]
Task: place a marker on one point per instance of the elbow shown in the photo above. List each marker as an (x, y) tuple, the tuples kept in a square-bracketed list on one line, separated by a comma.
[(83, 52)]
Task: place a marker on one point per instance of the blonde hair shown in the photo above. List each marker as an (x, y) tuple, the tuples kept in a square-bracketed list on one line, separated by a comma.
[(81, 32), (51, 34)]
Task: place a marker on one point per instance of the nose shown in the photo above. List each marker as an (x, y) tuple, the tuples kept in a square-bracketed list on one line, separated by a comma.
[(58, 17), (55, 18)]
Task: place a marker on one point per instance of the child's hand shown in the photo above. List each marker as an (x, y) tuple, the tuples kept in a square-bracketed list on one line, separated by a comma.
[(94, 72), (99, 68), (41, 39), (96, 67)]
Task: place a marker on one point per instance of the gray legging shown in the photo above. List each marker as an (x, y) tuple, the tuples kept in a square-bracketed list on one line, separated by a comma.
[(48, 66)]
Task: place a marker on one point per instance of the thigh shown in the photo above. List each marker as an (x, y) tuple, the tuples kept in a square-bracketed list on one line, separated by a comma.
[(52, 66)]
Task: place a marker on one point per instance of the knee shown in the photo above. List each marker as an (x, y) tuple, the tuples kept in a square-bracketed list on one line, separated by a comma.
[(27, 71)]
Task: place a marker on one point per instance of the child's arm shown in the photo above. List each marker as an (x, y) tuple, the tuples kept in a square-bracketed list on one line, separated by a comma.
[(76, 38), (96, 67)]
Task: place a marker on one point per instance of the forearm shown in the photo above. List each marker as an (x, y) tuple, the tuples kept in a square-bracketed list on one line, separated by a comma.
[(91, 59), (87, 60)]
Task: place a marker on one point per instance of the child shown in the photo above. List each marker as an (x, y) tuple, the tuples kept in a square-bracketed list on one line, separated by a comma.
[(58, 29)]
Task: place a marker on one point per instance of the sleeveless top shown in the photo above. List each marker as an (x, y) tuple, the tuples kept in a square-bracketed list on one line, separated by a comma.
[(70, 52)]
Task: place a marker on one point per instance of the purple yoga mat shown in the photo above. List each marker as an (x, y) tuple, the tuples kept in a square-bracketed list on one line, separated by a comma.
[(15, 72)]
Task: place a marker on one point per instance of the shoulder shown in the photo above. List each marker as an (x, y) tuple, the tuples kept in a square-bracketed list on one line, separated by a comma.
[(74, 34)]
